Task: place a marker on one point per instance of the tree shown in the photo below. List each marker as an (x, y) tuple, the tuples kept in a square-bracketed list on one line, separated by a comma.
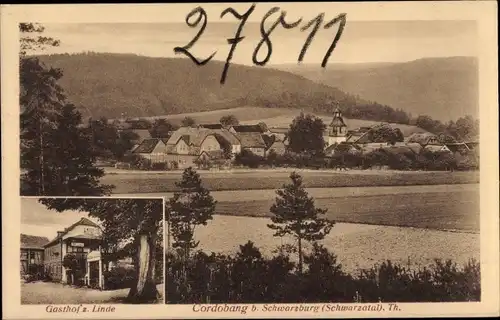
[(386, 133), (294, 213), (188, 208), (188, 122), (229, 120), (161, 128), (56, 154), (306, 135), (135, 222)]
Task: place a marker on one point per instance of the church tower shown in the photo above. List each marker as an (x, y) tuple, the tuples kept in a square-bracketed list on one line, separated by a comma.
[(337, 130)]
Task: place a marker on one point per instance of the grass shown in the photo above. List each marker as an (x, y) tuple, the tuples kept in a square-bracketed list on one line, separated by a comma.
[(268, 179)]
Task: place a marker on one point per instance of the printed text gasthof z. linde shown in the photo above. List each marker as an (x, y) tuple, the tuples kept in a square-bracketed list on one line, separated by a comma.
[(327, 307), (79, 308), (315, 23)]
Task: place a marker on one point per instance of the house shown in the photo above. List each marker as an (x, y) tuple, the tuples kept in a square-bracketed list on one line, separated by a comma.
[(153, 149), (212, 126), (342, 148), (437, 148), (252, 141), (337, 130), (186, 144), (424, 139), (31, 252), (460, 147), (215, 157), (81, 239), (274, 143), (255, 128), (228, 139)]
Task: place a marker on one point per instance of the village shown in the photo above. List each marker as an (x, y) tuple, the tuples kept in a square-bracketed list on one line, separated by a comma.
[(223, 146)]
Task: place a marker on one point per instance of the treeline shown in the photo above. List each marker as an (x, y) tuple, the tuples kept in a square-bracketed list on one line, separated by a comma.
[(464, 128), (249, 277)]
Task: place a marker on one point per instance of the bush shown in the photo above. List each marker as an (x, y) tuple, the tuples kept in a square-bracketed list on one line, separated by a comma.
[(159, 166), (248, 277), (249, 159), (119, 278)]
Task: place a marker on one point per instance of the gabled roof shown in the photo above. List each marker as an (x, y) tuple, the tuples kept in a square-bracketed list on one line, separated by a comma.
[(458, 147), (248, 128), (212, 126), (436, 148), (196, 136), (82, 222), (422, 138), (251, 140), (228, 136), (338, 122), (33, 242), (148, 145), (213, 154)]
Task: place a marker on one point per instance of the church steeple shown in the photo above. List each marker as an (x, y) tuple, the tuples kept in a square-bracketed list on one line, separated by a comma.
[(337, 130)]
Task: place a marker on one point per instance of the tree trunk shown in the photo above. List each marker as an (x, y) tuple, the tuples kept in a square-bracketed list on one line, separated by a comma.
[(300, 255), (144, 290)]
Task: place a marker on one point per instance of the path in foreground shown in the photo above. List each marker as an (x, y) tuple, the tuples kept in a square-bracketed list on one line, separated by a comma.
[(56, 293)]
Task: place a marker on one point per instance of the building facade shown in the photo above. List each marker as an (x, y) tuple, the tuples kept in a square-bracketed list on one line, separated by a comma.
[(337, 130), (32, 254), (79, 239)]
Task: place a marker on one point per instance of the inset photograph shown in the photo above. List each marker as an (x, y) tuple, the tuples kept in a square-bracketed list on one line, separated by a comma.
[(91, 250)]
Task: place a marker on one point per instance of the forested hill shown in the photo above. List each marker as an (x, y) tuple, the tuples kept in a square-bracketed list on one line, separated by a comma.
[(114, 84), (443, 88)]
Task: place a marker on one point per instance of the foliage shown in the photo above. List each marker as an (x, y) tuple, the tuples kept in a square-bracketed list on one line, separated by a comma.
[(56, 154), (386, 134), (229, 120), (108, 141), (306, 135), (249, 277), (161, 128), (188, 208), (188, 122), (131, 226), (249, 159), (464, 128), (75, 265), (119, 278), (294, 213)]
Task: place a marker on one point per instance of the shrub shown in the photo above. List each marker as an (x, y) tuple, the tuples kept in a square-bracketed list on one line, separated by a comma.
[(249, 159), (119, 278), (159, 166)]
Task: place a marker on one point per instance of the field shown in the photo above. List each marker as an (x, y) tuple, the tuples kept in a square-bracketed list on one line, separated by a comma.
[(145, 182), (356, 246), (273, 117)]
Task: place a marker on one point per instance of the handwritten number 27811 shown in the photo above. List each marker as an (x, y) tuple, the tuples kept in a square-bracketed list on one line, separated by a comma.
[(200, 15)]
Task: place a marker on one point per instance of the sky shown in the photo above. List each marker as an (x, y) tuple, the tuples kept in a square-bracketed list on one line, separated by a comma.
[(37, 220), (361, 41)]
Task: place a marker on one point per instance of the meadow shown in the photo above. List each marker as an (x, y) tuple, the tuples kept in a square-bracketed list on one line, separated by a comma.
[(356, 246), (155, 182)]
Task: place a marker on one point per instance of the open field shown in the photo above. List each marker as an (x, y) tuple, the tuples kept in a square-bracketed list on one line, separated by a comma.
[(356, 246), (443, 207), (146, 182), (56, 293)]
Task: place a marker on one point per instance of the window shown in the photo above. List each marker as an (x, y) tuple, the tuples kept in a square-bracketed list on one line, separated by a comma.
[(24, 255)]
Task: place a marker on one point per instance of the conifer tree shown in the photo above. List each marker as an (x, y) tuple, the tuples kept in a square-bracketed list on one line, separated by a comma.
[(294, 213)]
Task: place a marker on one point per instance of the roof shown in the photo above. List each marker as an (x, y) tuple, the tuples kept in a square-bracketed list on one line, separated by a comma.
[(422, 138), (212, 126), (192, 136), (248, 128), (458, 147), (436, 148), (142, 134), (228, 136), (82, 222), (342, 148), (85, 236), (148, 145), (213, 154), (398, 150), (33, 242), (251, 140), (337, 122)]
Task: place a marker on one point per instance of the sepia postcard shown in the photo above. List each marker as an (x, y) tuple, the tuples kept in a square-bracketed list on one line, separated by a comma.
[(250, 160)]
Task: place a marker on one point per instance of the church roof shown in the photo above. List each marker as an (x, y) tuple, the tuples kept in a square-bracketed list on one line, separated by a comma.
[(337, 120)]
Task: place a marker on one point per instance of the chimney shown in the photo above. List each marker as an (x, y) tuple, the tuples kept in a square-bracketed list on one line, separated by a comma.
[(60, 233)]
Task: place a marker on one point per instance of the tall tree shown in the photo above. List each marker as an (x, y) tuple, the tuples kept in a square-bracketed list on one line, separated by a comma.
[(190, 207), (161, 128), (294, 213), (306, 135), (136, 224), (229, 120), (56, 155), (188, 122)]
